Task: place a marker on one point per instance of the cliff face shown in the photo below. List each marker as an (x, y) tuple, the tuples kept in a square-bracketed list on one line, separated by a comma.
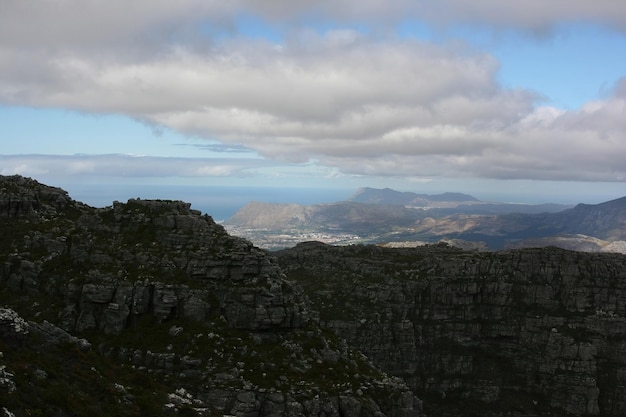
[(519, 333), (164, 295), (142, 256), (150, 308)]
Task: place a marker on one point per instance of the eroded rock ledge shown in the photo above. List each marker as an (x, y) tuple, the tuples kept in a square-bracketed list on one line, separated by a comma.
[(160, 290), (537, 332)]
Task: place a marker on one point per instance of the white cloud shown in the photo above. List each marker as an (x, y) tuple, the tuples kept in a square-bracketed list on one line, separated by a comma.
[(20, 168), (117, 165), (365, 105), (537, 15), (93, 25), (528, 15)]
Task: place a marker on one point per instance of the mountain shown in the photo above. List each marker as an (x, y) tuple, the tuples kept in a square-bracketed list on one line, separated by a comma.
[(371, 211), (149, 308), (444, 216), (271, 215), (440, 205), (347, 216), (389, 196), (534, 333), (606, 221)]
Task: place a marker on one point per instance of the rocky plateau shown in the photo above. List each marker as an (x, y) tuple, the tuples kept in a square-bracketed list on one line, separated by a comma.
[(533, 332), (150, 308)]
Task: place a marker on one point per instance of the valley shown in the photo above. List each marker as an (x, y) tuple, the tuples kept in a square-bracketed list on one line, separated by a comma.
[(386, 216)]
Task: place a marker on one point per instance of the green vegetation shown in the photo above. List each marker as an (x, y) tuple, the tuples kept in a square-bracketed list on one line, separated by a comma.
[(62, 380)]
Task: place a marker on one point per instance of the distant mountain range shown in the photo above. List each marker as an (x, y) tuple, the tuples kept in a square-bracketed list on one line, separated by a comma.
[(341, 216), (389, 196), (448, 203), (385, 215), (605, 221)]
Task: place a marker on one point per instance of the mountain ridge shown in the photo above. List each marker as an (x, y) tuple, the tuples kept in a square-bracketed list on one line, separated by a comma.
[(473, 221), (389, 196), (343, 216), (149, 307), (533, 332)]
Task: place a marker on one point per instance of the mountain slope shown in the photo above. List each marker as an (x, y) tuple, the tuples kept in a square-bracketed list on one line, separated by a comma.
[(341, 216), (166, 314), (389, 196), (605, 220), (469, 220), (150, 308), (271, 215), (534, 333)]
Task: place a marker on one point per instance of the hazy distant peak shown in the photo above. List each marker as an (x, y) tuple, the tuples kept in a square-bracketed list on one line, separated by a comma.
[(452, 197), (380, 195), (617, 204), (389, 196), (270, 215)]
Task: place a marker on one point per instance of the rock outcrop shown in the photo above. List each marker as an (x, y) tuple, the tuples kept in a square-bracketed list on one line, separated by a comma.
[(150, 308), (537, 332), (163, 291)]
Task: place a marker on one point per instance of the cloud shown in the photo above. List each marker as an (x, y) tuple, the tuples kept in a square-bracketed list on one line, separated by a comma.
[(117, 165), (363, 104), (620, 88), (150, 24), (537, 16), (534, 15), (219, 148)]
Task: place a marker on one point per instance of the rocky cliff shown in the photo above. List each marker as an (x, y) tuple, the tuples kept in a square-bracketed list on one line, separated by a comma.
[(148, 308), (536, 332)]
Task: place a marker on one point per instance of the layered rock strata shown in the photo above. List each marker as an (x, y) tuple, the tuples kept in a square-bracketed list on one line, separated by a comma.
[(537, 332), (163, 290)]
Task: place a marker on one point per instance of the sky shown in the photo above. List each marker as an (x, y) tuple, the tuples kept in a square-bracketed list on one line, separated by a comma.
[(507, 101)]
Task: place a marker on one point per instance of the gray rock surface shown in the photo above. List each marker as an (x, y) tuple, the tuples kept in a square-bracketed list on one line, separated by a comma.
[(537, 332), (159, 288)]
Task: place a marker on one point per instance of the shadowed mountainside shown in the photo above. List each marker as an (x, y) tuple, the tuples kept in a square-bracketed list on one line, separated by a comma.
[(150, 308), (606, 221), (532, 333)]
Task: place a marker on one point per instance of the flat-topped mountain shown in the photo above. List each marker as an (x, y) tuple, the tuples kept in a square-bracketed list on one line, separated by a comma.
[(449, 203), (389, 196)]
